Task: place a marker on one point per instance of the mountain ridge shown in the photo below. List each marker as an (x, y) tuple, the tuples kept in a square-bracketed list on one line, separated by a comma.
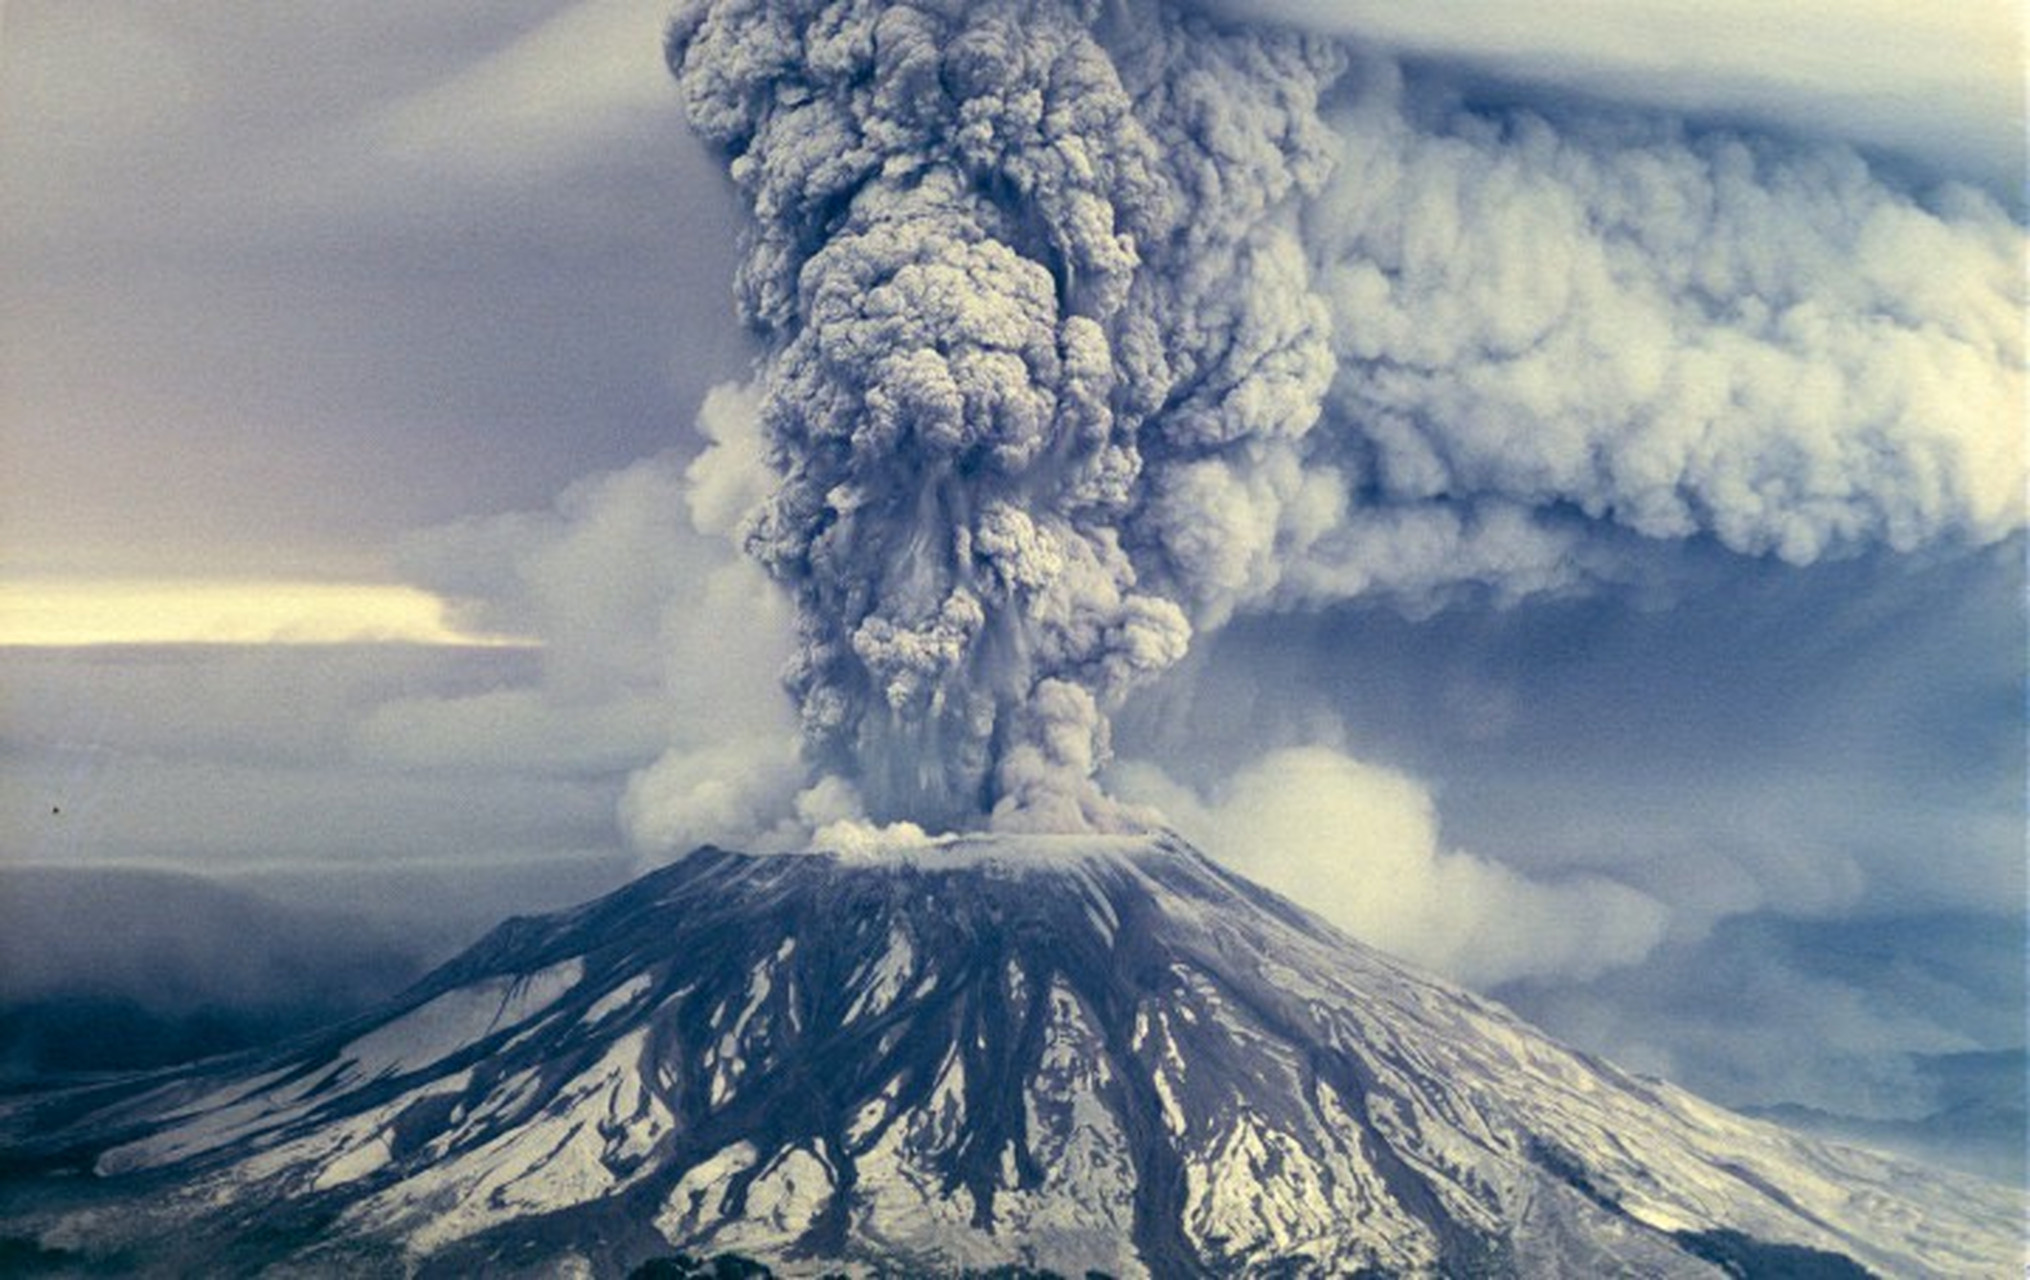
[(1072, 1053)]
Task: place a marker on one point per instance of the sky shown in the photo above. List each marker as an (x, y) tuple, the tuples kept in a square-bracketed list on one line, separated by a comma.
[(375, 407)]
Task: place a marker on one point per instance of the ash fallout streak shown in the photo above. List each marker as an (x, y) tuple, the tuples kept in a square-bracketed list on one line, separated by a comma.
[(1091, 324)]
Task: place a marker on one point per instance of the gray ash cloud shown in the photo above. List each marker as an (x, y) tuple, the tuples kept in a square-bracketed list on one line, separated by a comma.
[(1023, 267)]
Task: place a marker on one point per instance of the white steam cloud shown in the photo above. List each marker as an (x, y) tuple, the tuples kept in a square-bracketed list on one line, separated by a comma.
[(661, 650), (1360, 845), (1091, 325)]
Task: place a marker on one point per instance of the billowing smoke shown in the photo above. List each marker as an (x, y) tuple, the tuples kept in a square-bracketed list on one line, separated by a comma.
[(1677, 336), (1020, 262), (1094, 323)]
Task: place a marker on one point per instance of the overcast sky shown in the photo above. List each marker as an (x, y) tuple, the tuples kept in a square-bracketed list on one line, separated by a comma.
[(431, 295), (284, 281)]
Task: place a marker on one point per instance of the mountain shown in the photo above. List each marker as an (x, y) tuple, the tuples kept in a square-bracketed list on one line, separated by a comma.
[(1072, 1053)]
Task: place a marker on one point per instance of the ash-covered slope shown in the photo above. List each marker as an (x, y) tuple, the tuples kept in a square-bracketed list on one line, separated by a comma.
[(1073, 1053)]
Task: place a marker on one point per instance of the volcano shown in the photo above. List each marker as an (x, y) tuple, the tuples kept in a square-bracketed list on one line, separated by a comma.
[(1074, 1054)]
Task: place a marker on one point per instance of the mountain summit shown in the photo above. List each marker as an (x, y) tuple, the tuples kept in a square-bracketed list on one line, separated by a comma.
[(1073, 1053)]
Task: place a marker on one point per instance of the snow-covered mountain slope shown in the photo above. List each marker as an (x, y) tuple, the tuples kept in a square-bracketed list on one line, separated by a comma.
[(1071, 1053)]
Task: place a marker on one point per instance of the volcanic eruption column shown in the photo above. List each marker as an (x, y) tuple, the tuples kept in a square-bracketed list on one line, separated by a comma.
[(1019, 288)]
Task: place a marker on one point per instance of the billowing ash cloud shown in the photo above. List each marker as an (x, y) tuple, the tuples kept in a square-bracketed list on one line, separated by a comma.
[(1559, 342), (1679, 335), (1023, 264), (1092, 324)]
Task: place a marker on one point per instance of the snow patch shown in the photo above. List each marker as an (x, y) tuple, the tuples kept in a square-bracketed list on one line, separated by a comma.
[(459, 1019), (698, 1202), (783, 1202), (730, 1058), (882, 979), (1081, 1213)]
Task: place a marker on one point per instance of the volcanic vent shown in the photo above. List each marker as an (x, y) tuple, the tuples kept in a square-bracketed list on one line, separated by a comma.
[(1076, 1053)]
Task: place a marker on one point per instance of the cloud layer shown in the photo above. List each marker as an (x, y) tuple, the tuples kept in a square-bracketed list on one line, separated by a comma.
[(1940, 89)]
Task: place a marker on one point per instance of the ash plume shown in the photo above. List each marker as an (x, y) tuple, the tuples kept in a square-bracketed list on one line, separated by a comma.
[(1019, 261), (1092, 324)]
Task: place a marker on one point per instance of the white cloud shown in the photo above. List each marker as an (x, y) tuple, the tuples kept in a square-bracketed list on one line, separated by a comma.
[(736, 793), (730, 768), (663, 650), (1941, 83), (589, 577), (1360, 845), (731, 477), (67, 612)]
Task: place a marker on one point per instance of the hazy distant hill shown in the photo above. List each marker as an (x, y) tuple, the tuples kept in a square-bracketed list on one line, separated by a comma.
[(121, 968), (1978, 1126)]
